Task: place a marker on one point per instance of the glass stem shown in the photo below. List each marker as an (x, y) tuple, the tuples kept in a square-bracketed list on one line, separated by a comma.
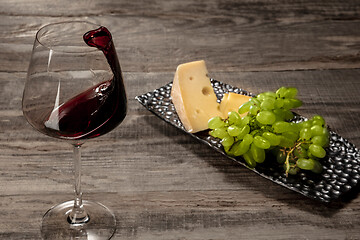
[(78, 214)]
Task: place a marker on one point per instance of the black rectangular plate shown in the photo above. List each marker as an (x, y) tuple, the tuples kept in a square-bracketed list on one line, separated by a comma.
[(341, 171)]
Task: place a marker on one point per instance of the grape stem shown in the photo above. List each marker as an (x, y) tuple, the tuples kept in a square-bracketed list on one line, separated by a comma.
[(287, 164)]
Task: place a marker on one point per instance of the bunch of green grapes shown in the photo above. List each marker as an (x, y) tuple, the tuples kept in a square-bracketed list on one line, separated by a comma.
[(267, 128)]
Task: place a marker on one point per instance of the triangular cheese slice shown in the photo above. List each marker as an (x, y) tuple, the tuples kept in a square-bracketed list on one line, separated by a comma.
[(193, 96)]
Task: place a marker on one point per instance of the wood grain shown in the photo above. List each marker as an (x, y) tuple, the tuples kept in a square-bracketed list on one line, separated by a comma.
[(161, 183), (230, 35)]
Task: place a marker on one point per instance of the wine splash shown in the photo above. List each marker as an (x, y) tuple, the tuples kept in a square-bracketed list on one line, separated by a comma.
[(97, 110)]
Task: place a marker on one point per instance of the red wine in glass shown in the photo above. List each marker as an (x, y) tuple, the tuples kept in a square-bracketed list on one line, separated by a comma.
[(75, 64), (97, 110)]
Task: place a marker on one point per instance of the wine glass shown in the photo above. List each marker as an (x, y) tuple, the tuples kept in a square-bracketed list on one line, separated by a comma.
[(74, 91)]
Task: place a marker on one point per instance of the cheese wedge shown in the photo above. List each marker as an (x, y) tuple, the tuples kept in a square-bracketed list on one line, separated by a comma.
[(193, 96), (231, 102)]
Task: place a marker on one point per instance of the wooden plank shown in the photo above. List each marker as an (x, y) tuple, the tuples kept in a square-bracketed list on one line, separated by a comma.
[(160, 182), (224, 214), (284, 36)]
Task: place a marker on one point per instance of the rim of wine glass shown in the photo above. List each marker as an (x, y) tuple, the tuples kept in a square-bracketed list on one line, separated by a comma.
[(90, 49)]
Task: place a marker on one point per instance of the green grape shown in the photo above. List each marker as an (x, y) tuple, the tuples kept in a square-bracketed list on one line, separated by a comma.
[(279, 103), (320, 140), (283, 114), (306, 124), (287, 104), (248, 138), (240, 148), (290, 92), (293, 136), (245, 120), (219, 133), (228, 151), (233, 130), (266, 117), (316, 130), (266, 96), (325, 132), (293, 169), (268, 103), (216, 122), (273, 139), (305, 163), (319, 120), (305, 133), (294, 127), (249, 160), (286, 142), (254, 109), (255, 101), (280, 157), (280, 92), (234, 118), (261, 97), (295, 103), (245, 107), (261, 142), (281, 126), (317, 151), (317, 167), (227, 141), (257, 153), (270, 94), (243, 131), (235, 148), (300, 152)]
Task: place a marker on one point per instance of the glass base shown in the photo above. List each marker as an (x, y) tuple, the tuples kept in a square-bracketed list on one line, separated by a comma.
[(100, 225)]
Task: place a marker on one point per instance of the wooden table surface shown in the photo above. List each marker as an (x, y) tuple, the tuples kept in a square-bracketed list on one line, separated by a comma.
[(160, 182)]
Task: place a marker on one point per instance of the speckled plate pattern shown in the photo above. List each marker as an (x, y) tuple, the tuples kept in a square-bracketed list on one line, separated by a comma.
[(341, 165)]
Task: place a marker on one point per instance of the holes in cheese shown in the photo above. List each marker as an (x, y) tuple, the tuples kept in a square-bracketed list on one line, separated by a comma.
[(206, 91), (195, 101)]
